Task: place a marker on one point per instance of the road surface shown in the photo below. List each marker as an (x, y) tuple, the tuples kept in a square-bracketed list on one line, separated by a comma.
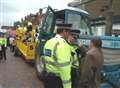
[(16, 73)]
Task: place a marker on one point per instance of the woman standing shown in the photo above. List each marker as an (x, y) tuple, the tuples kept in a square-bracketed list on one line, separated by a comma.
[(92, 65)]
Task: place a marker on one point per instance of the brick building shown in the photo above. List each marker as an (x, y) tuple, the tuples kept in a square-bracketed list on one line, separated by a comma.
[(101, 9)]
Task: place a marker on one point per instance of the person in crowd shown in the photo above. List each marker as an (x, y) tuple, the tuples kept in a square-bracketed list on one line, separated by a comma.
[(92, 65), (3, 45), (11, 41), (57, 57), (72, 40)]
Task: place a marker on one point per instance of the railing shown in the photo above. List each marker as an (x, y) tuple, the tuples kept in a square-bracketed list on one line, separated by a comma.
[(108, 41)]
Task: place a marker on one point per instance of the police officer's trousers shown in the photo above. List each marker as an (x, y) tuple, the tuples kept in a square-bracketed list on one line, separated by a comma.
[(52, 81), (4, 52), (75, 75)]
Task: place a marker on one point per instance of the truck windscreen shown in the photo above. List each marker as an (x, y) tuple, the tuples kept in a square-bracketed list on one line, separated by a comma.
[(78, 22)]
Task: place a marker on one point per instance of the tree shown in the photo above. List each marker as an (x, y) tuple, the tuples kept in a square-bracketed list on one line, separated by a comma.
[(17, 23)]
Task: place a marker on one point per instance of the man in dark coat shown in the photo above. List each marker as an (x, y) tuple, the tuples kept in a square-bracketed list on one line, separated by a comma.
[(92, 65)]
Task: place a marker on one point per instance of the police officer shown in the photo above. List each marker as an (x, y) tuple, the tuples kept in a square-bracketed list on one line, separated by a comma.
[(57, 53), (3, 47), (72, 40)]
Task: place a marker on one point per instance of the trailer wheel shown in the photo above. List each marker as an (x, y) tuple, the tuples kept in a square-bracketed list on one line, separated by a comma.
[(16, 51)]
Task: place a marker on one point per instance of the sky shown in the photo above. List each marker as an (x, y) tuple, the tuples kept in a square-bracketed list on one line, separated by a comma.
[(14, 10)]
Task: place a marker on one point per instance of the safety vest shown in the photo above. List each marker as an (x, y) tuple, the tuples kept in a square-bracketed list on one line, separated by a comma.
[(74, 57), (57, 56), (3, 41)]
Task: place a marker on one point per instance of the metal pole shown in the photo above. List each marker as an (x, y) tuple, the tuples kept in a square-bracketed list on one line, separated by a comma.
[(109, 15)]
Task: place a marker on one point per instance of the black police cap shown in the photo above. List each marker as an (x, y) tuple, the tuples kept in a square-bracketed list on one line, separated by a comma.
[(64, 26), (75, 32)]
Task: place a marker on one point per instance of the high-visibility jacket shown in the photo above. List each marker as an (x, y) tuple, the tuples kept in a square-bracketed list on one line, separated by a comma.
[(3, 41), (74, 57), (57, 56)]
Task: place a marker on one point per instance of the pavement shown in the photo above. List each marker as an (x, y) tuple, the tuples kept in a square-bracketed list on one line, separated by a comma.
[(16, 73)]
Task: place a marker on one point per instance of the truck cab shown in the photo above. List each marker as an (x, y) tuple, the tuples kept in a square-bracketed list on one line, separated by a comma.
[(80, 21), (78, 18)]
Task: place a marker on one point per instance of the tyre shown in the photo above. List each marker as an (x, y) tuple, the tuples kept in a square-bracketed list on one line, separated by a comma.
[(17, 52), (39, 65)]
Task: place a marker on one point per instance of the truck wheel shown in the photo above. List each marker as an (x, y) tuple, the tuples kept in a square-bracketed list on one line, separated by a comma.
[(38, 65)]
